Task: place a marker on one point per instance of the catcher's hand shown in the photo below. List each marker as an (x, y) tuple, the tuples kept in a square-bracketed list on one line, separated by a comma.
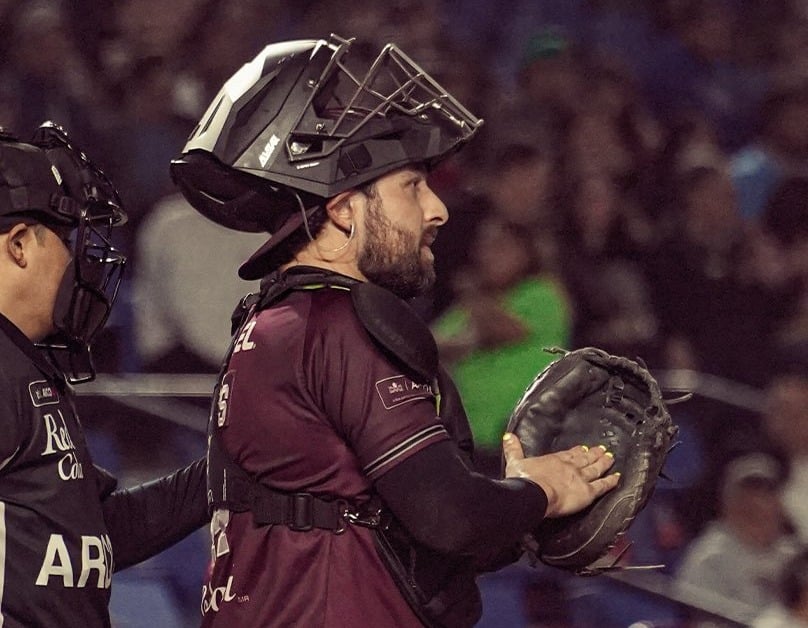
[(589, 397), (571, 479)]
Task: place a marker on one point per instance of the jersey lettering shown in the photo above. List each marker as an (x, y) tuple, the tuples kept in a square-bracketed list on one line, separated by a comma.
[(96, 555), (70, 468), (56, 550), (58, 436), (218, 528), (212, 596), (58, 440), (243, 343), (221, 404)]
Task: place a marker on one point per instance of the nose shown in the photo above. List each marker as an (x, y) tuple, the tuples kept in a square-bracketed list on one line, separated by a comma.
[(434, 209)]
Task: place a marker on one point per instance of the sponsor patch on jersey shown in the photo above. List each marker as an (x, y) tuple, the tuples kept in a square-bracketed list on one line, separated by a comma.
[(398, 390), (43, 393)]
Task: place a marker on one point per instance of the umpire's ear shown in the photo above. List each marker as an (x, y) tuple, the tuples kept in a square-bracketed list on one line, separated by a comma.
[(17, 241)]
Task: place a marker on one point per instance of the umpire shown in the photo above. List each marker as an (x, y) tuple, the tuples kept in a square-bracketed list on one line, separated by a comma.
[(339, 459), (64, 528)]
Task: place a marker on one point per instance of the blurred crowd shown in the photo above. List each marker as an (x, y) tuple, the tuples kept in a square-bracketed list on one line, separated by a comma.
[(640, 184)]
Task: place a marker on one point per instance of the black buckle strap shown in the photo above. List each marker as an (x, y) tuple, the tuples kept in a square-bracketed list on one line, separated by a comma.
[(369, 515), (301, 517), (302, 512)]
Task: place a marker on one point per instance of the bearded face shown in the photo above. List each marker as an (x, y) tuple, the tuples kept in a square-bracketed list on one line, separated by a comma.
[(395, 258)]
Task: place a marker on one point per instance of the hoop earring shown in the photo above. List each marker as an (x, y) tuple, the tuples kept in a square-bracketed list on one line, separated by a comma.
[(343, 246)]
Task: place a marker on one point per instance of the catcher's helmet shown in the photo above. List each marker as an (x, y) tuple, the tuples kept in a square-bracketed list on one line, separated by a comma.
[(300, 123)]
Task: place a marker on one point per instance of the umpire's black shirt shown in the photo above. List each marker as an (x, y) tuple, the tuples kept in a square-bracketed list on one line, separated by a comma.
[(61, 517), (55, 551)]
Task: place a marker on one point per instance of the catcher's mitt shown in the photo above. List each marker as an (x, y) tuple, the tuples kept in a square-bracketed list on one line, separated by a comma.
[(589, 397)]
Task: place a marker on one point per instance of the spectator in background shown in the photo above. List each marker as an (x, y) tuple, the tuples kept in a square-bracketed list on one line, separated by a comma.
[(507, 301), (689, 142), (610, 131), (785, 220), (48, 77), (696, 65), (718, 303), (778, 151), (791, 608), (522, 192), (603, 247), (508, 310), (151, 129), (785, 420), (740, 555), (549, 88), (185, 287)]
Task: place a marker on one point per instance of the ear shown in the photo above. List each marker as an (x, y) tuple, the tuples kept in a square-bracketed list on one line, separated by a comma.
[(340, 209), (16, 244)]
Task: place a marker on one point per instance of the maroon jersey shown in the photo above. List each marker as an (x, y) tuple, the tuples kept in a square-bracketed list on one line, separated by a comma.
[(308, 403)]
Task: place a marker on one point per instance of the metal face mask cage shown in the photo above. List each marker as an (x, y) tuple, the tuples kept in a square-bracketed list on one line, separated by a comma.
[(341, 103), (90, 284), (86, 295)]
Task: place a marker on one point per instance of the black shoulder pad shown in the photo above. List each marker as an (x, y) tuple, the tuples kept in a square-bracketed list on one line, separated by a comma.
[(397, 328)]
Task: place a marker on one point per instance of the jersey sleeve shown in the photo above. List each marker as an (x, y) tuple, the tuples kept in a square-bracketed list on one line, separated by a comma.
[(381, 410), (147, 519)]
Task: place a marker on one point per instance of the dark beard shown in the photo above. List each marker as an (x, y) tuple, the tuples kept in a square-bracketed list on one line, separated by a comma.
[(391, 257)]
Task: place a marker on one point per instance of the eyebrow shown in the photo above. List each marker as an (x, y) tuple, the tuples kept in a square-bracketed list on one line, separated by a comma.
[(411, 173), (410, 169)]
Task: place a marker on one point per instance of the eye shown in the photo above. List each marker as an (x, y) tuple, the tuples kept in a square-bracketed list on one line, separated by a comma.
[(415, 182)]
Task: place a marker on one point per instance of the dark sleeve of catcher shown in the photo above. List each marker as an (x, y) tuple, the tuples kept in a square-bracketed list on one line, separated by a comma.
[(147, 519), (456, 511)]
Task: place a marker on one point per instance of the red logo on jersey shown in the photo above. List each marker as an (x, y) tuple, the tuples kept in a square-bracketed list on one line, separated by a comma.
[(397, 390)]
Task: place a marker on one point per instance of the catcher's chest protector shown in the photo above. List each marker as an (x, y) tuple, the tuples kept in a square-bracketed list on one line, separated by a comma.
[(431, 583)]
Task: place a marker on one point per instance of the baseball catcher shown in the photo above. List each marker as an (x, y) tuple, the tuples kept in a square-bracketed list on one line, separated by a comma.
[(591, 398)]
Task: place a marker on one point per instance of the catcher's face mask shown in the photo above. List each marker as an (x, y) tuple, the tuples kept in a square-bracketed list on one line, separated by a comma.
[(90, 283)]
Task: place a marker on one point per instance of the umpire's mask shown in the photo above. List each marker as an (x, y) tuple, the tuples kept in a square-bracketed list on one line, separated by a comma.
[(90, 283)]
